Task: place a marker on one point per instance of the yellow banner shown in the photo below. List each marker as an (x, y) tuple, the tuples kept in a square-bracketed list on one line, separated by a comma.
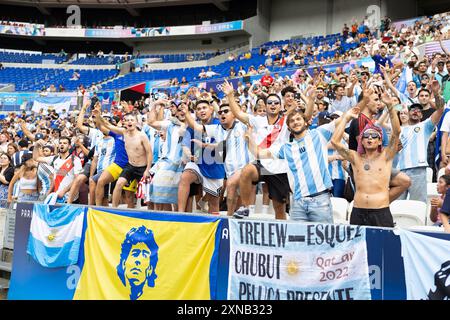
[(133, 258)]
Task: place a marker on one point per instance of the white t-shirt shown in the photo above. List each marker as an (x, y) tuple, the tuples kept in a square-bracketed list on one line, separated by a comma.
[(445, 127), (70, 176), (262, 129)]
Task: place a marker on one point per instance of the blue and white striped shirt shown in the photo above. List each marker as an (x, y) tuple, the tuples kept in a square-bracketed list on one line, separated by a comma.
[(237, 155), (335, 167), (307, 160), (172, 149), (106, 153), (95, 136), (44, 174), (415, 140)]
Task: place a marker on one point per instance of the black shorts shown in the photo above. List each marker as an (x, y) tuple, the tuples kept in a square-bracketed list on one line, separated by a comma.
[(278, 184), (372, 217), (131, 173), (87, 169), (194, 189)]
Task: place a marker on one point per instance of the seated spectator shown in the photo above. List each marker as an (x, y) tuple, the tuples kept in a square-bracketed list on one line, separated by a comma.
[(232, 72), (75, 76), (202, 74), (436, 203), (184, 81), (252, 71), (241, 71), (210, 73), (267, 80), (444, 213), (231, 57), (52, 88)]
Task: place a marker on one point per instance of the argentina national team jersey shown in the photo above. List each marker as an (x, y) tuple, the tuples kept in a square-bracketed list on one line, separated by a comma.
[(95, 136), (415, 140), (172, 145), (44, 173), (237, 154), (307, 160), (151, 134), (105, 152), (335, 167)]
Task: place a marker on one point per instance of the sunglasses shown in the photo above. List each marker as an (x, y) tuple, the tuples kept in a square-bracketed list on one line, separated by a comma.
[(223, 111), (374, 135), (273, 102)]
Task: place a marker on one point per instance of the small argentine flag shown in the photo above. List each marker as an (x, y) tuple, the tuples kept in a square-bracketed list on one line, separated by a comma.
[(55, 235)]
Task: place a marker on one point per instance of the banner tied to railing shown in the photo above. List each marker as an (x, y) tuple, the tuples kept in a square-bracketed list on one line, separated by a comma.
[(285, 261)]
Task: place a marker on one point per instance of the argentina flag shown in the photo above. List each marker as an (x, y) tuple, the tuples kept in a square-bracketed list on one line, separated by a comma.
[(427, 266), (55, 235)]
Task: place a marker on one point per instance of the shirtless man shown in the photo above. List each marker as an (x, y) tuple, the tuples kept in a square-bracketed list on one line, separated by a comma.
[(139, 152), (372, 166)]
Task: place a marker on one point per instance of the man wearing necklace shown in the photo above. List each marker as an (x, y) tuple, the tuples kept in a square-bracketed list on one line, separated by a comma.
[(372, 168)]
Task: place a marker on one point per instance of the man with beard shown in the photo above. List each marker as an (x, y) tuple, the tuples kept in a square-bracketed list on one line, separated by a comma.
[(372, 168), (415, 137), (66, 167), (270, 130), (307, 158)]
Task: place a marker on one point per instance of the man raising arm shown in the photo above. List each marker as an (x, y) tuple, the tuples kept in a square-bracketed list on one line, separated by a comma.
[(372, 169)]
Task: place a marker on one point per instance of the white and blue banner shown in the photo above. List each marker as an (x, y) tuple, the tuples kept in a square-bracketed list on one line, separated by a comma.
[(55, 235), (291, 261), (427, 266), (57, 103)]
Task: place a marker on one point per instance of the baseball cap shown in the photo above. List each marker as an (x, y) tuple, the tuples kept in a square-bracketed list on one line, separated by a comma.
[(26, 156), (23, 143), (415, 106)]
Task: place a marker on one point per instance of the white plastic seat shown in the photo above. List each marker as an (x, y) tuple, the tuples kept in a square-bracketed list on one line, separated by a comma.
[(431, 189), (441, 172), (340, 209), (263, 216), (408, 213), (349, 211), (429, 175), (259, 204), (431, 193)]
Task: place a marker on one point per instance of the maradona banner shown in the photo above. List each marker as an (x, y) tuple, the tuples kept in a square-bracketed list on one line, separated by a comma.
[(124, 255)]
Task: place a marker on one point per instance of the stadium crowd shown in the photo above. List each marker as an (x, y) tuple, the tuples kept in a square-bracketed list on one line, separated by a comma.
[(366, 136)]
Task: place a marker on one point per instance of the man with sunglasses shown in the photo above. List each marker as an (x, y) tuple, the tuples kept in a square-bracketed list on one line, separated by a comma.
[(229, 138), (371, 105), (372, 168), (412, 159), (269, 130)]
